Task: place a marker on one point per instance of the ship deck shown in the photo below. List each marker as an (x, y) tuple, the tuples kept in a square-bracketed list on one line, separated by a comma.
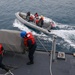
[(41, 66)]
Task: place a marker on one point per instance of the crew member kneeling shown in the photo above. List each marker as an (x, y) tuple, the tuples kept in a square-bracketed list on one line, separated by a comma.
[(29, 41)]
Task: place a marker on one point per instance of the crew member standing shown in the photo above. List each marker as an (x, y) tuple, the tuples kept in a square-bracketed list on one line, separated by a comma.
[(29, 41)]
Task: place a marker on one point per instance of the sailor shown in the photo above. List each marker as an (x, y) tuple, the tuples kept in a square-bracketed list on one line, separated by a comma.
[(1, 58), (28, 16), (40, 22), (36, 15), (30, 42)]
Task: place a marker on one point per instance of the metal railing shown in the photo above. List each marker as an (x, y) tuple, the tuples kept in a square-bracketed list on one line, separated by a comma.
[(44, 43)]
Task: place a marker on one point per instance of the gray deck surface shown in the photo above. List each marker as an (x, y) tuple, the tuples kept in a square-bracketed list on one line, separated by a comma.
[(41, 65)]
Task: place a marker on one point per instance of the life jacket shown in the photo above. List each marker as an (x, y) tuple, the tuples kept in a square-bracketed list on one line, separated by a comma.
[(37, 21), (1, 51), (29, 37), (31, 18)]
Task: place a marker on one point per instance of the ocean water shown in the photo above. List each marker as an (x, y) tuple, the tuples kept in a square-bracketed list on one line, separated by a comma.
[(61, 12)]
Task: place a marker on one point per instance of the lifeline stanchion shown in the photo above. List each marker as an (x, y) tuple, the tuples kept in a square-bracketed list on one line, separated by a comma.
[(54, 48)]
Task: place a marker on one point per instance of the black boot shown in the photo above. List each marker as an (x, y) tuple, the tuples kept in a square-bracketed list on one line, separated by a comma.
[(30, 63)]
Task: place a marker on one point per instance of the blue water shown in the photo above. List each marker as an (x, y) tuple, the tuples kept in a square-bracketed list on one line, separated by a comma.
[(62, 12)]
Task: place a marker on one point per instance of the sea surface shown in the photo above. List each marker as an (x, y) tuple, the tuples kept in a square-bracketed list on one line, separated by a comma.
[(61, 12)]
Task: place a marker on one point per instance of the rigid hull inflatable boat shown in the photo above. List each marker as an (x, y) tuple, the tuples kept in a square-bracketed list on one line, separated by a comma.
[(47, 25)]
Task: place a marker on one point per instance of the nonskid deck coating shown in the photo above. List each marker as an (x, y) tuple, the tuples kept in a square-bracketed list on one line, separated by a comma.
[(41, 65)]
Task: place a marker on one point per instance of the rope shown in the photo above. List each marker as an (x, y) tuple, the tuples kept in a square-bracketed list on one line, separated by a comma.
[(51, 64), (9, 72), (52, 56)]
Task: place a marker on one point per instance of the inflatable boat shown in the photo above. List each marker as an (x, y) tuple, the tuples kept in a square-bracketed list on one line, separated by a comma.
[(48, 24)]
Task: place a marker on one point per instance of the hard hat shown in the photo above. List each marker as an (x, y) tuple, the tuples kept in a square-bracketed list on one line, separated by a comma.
[(23, 34)]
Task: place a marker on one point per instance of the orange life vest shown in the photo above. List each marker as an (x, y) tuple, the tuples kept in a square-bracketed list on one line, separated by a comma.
[(31, 18), (29, 37), (1, 52), (37, 21)]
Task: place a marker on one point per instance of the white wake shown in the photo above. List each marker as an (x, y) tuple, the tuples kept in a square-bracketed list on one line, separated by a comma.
[(67, 35)]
